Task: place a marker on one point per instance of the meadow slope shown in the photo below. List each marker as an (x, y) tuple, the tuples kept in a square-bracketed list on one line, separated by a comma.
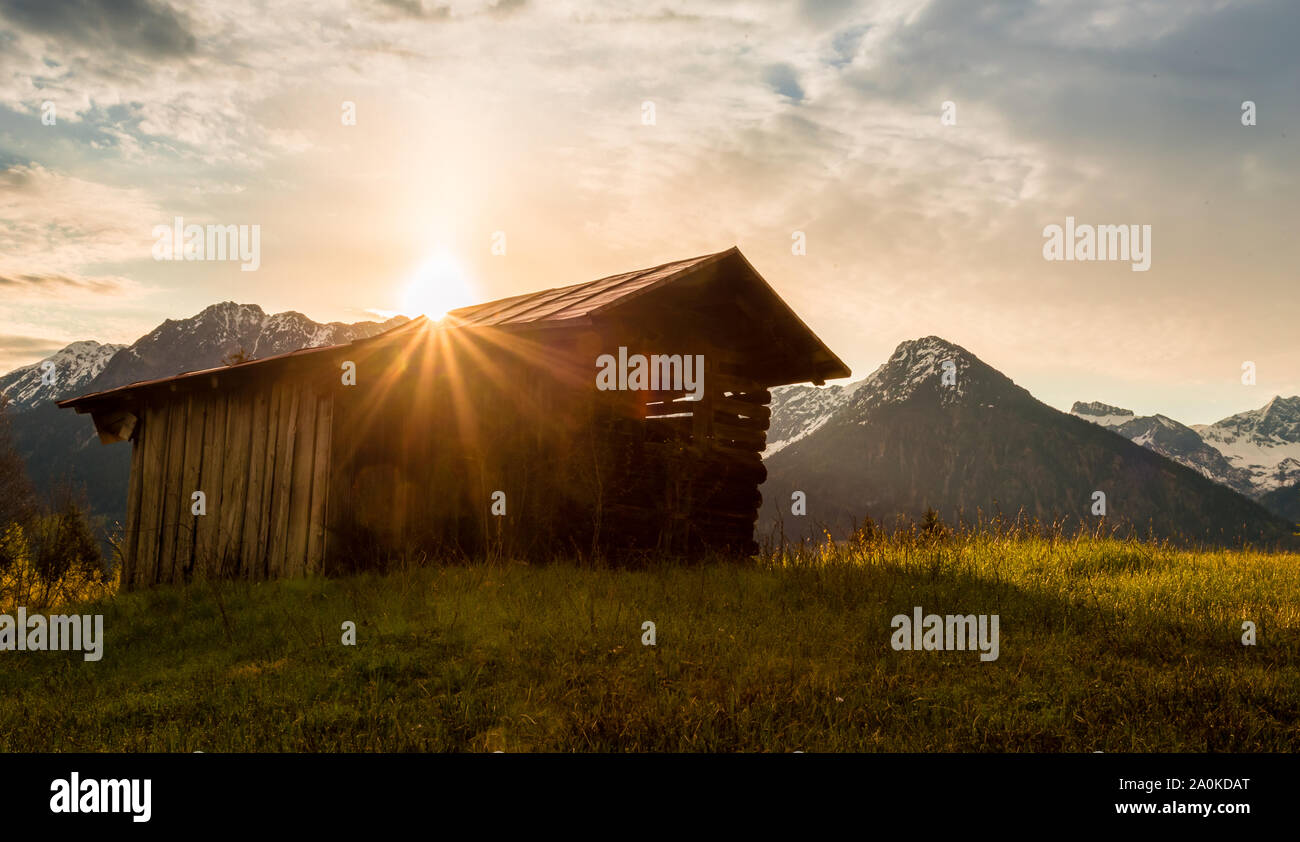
[(1105, 646)]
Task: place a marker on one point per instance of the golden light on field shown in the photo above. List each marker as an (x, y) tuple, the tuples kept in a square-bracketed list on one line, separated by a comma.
[(439, 285)]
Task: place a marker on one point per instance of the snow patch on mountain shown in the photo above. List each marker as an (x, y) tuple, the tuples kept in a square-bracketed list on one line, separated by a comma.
[(1265, 442), (209, 338), (204, 340), (916, 365), (1101, 413), (916, 371), (74, 366), (798, 411), (1252, 452)]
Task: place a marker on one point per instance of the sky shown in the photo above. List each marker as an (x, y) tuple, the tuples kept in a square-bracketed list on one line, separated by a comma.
[(917, 149)]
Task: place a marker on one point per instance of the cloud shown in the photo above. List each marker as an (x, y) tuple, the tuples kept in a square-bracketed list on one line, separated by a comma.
[(29, 345), (19, 350), (52, 225), (148, 29), (417, 9), (431, 10), (826, 12), (1111, 111), (59, 285), (505, 8)]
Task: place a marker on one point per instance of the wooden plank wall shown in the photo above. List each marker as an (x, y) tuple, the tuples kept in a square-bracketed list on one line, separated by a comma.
[(691, 482), (306, 476), (260, 453), (429, 433)]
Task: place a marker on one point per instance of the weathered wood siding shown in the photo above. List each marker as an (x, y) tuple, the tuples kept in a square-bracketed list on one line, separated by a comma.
[(432, 429), (430, 433), (260, 452), (306, 475)]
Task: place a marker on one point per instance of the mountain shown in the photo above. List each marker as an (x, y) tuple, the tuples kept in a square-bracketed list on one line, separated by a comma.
[(1102, 413), (1264, 442), (1284, 502), (59, 445), (74, 367), (901, 441), (1169, 438), (1256, 453), (800, 410), (202, 341)]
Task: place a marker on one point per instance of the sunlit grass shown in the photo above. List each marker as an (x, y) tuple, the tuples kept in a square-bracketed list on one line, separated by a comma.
[(1105, 645)]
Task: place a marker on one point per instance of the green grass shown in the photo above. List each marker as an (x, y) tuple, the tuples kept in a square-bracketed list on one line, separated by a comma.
[(1105, 646)]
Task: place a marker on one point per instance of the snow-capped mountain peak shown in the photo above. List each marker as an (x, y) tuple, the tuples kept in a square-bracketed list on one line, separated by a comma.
[(937, 428), (1101, 413), (204, 340), (917, 362), (935, 369), (915, 371), (220, 330), (1265, 442), (1252, 452), (73, 367)]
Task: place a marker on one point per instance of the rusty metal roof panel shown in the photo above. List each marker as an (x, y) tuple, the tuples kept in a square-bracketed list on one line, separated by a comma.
[(578, 300)]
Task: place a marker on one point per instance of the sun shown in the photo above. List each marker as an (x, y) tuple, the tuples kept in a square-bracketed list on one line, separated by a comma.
[(439, 285)]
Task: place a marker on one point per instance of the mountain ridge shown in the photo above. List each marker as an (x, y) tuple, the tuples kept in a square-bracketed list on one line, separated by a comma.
[(203, 340), (58, 445), (74, 365), (902, 441), (1252, 452)]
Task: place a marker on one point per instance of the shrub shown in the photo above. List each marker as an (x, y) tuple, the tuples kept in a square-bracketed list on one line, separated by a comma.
[(48, 553)]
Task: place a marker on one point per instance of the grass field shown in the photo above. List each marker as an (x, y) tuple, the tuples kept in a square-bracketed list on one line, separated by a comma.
[(1105, 646)]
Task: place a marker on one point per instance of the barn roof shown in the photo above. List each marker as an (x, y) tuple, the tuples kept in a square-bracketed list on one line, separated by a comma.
[(558, 307), (579, 301)]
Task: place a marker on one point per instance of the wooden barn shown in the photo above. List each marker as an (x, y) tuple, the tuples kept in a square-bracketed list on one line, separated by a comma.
[(484, 433)]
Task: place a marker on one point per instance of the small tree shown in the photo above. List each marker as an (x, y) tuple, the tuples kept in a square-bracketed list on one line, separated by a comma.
[(866, 533), (48, 553), (932, 525), (17, 497), (64, 540)]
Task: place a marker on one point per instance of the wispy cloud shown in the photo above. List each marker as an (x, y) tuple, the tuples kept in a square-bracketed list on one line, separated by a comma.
[(26, 344), (53, 226), (58, 285)]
